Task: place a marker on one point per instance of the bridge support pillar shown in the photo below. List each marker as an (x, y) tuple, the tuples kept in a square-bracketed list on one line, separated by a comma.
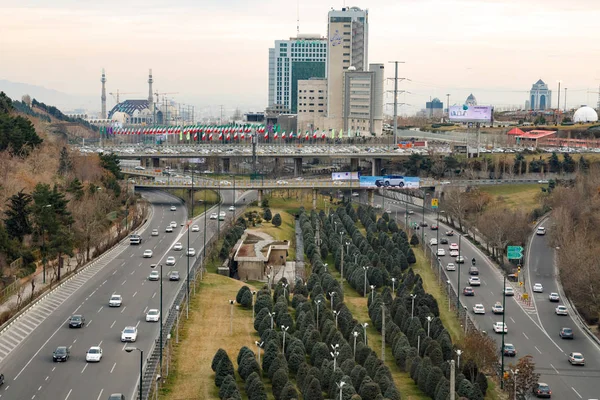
[(155, 162), (226, 163), (314, 198), (260, 196), (144, 161), (297, 166), (354, 164), (370, 197), (376, 167)]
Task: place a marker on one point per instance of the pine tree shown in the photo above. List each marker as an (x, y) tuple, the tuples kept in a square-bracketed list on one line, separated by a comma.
[(17, 222), (277, 220), (65, 164)]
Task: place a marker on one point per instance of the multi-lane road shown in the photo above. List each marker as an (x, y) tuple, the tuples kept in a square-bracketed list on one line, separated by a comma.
[(29, 369), (532, 328)]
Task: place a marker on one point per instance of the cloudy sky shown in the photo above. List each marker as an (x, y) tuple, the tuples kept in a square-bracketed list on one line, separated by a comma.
[(215, 52)]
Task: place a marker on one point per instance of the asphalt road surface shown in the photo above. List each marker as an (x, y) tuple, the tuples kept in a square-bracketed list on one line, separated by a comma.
[(532, 329), (29, 370)]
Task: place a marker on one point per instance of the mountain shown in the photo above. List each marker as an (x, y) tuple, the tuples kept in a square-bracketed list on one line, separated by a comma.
[(63, 101)]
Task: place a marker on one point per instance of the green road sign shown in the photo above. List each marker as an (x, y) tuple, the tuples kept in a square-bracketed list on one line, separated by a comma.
[(514, 252)]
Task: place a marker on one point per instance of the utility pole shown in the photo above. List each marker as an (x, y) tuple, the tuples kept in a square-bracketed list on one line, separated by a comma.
[(448, 105), (452, 379), (383, 333), (396, 99), (565, 107)]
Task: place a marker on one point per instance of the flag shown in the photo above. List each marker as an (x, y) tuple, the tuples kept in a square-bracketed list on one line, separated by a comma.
[(221, 134), (266, 134), (187, 133), (210, 137), (283, 135), (228, 136), (314, 134), (306, 136), (180, 133), (333, 133), (349, 132), (323, 136), (242, 136), (235, 135)]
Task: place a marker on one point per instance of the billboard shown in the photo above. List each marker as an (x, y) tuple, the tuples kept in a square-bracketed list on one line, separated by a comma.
[(466, 113), (390, 181), (345, 176)]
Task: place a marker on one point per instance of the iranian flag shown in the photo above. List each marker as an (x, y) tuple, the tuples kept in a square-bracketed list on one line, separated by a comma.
[(323, 136), (306, 136), (235, 135), (203, 136), (314, 134), (266, 135), (276, 135), (283, 135), (243, 136), (221, 134), (228, 136), (210, 137)]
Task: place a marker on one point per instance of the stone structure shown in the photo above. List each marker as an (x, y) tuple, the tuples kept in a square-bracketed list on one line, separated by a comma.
[(540, 97), (257, 254)]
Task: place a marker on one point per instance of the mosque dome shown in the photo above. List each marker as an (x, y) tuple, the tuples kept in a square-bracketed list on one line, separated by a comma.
[(585, 114)]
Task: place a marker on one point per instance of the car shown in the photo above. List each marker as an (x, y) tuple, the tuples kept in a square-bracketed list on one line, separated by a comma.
[(174, 275), (169, 229), (154, 276), (423, 224), (460, 259), (377, 206), (94, 354), (554, 297), (129, 334), (510, 350), (500, 327), (538, 288), (76, 321), (478, 309), (450, 233), (433, 242), (282, 182), (434, 227), (474, 281), (154, 232), (191, 252), (410, 212), (453, 253), (153, 315), (115, 300), (225, 183), (173, 224), (541, 231), (566, 333), (443, 241), (173, 208), (140, 168), (576, 359), (170, 260), (178, 246), (561, 310), (388, 211), (147, 253), (453, 246), (195, 228), (473, 271), (299, 178), (61, 354), (214, 216), (390, 180), (355, 194), (450, 267), (542, 390), (468, 291), (441, 252), (508, 291), (222, 215), (231, 208), (497, 308)]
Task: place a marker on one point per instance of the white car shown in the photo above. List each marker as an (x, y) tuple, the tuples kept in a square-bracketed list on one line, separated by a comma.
[(129, 334), (169, 229), (222, 214), (508, 291), (450, 267), (538, 288), (453, 246), (441, 252), (355, 194), (154, 276), (115, 300), (474, 281), (178, 246), (94, 354), (554, 297), (195, 228), (433, 242), (153, 315), (497, 308), (541, 231), (154, 232), (140, 168), (561, 310), (282, 182), (232, 208), (191, 252), (500, 327), (460, 259), (478, 309), (214, 216), (173, 224), (147, 253), (173, 208), (453, 253), (170, 260), (225, 183)]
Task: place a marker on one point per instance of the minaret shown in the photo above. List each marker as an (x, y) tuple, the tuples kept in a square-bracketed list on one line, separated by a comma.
[(103, 80), (150, 80)]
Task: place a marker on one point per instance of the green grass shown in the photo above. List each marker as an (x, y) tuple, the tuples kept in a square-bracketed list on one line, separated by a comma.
[(518, 196), (284, 232), (211, 197)]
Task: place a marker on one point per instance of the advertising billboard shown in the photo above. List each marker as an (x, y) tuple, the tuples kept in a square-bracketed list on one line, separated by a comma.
[(345, 176), (390, 181), (466, 113)]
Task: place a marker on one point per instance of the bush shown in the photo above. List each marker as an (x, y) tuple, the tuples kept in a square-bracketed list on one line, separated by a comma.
[(219, 355), (279, 380), (229, 389), (224, 368), (313, 390), (276, 220), (414, 240), (267, 216), (240, 293), (289, 392), (246, 300)]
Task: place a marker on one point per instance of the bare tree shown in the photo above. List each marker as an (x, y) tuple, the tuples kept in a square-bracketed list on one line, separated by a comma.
[(482, 350), (525, 379), (456, 205)]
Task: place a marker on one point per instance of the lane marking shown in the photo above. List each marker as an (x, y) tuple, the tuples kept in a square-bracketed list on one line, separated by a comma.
[(154, 295), (47, 377), (138, 323), (525, 336), (113, 368), (114, 272), (68, 394), (113, 324), (134, 294), (132, 272), (101, 308), (537, 349), (511, 318), (123, 309), (123, 282), (577, 393), (89, 323), (53, 369), (105, 281), (100, 344), (77, 309), (145, 309), (84, 368), (555, 370), (124, 346), (40, 388), (100, 395)]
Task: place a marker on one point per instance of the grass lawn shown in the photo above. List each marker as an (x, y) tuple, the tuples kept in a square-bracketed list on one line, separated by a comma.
[(284, 232), (521, 196), (207, 330), (200, 196)]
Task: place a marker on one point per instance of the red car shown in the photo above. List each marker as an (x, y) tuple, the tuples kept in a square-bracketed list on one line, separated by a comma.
[(468, 291)]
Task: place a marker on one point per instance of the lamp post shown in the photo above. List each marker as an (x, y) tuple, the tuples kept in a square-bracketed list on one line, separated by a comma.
[(423, 222), (44, 245), (219, 212), (271, 315), (284, 329), (187, 280), (204, 248), (514, 374), (331, 295), (129, 350), (355, 334), (336, 314), (393, 285), (340, 386), (503, 315), (372, 292), (258, 347), (285, 286), (366, 268), (335, 353), (318, 301), (364, 325), (429, 319), (232, 302), (449, 301), (412, 309), (458, 353), (253, 301)]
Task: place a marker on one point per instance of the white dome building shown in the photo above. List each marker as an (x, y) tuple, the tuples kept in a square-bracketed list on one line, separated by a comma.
[(585, 114)]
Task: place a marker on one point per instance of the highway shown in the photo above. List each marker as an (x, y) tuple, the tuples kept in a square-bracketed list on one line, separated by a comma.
[(532, 329), (29, 370)]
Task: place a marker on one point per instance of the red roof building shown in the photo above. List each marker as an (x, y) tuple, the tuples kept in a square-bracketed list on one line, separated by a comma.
[(531, 138), (515, 131)]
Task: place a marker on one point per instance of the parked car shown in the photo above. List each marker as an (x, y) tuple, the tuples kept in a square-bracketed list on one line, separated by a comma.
[(566, 333), (61, 354)]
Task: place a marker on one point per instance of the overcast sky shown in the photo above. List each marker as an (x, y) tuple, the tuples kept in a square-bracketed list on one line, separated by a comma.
[(216, 52)]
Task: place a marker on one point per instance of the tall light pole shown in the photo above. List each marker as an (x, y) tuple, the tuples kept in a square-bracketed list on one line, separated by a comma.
[(204, 248), (334, 353), (318, 301), (503, 316), (129, 350), (393, 286), (423, 222), (429, 319), (161, 317), (340, 386), (336, 314), (458, 284), (231, 302), (372, 293), (396, 100), (284, 329), (355, 334), (458, 353), (258, 347), (452, 379), (366, 268), (383, 332), (285, 286), (514, 374), (412, 309), (364, 325), (331, 295), (253, 301), (272, 315)]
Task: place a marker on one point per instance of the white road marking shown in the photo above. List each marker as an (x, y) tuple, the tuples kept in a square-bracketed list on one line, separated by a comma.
[(113, 368), (48, 377), (74, 341), (53, 369), (132, 272), (101, 307), (123, 309), (525, 336), (145, 309), (84, 368), (33, 397), (555, 370), (100, 344), (511, 318), (113, 324), (537, 349), (105, 281), (138, 323), (141, 264), (40, 388), (123, 282), (114, 272), (124, 346), (68, 394), (89, 323), (100, 395), (77, 309), (576, 392), (134, 294), (154, 295)]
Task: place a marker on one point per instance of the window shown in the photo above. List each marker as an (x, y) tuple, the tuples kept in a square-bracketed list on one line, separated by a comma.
[(346, 47), (346, 40), (346, 54)]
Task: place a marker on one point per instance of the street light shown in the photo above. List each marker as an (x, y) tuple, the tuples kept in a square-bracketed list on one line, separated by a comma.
[(232, 302), (318, 301), (412, 310), (366, 268), (458, 284), (285, 286), (129, 350), (364, 325), (372, 293), (458, 353), (393, 285), (429, 319), (340, 386), (335, 353), (44, 245), (355, 334), (514, 374), (331, 295), (284, 329), (258, 347), (253, 301), (336, 314), (271, 314)]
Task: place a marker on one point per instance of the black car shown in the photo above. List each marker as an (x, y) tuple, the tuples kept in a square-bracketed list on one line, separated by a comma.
[(542, 390), (116, 396), (468, 291), (422, 223), (434, 227), (473, 271), (61, 353), (449, 233), (566, 333), (76, 321), (1, 379), (509, 350), (443, 241), (174, 276)]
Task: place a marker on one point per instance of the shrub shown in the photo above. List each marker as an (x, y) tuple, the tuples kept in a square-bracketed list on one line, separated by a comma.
[(276, 220), (224, 368), (267, 216), (279, 380), (229, 389), (414, 240), (243, 289), (246, 300), (289, 392), (219, 355), (313, 390)]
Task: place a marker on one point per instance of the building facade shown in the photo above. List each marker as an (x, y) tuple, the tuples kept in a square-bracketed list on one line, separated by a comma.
[(434, 108), (540, 97), (292, 60)]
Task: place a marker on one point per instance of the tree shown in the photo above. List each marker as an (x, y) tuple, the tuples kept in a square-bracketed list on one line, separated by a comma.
[(111, 163), (482, 350), (277, 220), (17, 222), (65, 164), (526, 379), (224, 368), (313, 390), (289, 392), (554, 163), (279, 380), (414, 240), (267, 216), (219, 355)]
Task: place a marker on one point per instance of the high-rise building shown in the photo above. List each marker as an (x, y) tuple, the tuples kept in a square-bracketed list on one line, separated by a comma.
[(348, 45), (299, 58), (434, 108), (540, 96)]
